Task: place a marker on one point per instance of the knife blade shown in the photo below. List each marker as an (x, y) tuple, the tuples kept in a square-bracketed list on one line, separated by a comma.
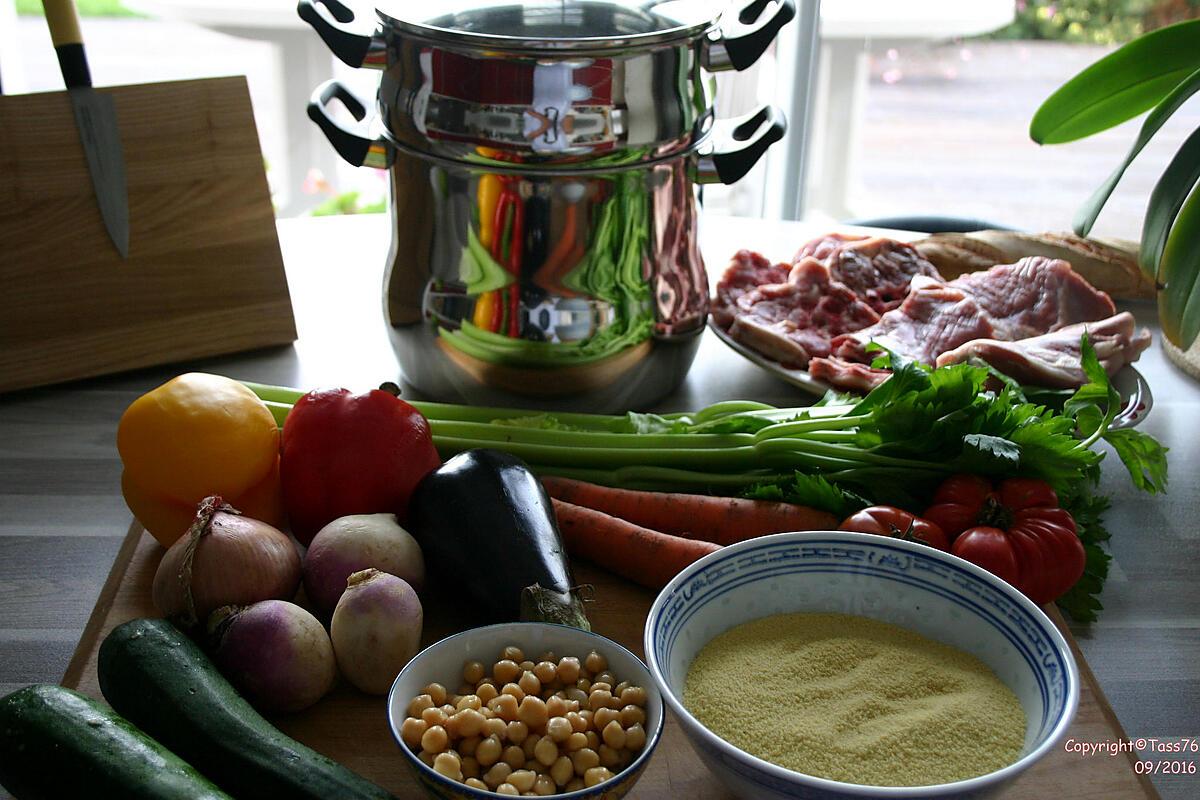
[(96, 120)]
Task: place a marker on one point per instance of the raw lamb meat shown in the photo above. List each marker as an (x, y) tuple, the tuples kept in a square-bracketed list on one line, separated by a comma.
[(879, 270), (794, 321), (848, 376), (1007, 302), (747, 271), (1053, 359), (826, 247)]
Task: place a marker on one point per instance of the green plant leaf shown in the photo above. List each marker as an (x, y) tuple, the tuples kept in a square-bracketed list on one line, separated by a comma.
[(1179, 276), (1085, 218), (1165, 201), (1119, 86)]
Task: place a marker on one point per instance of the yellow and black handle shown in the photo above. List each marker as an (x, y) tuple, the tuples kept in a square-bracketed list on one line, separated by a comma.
[(63, 20)]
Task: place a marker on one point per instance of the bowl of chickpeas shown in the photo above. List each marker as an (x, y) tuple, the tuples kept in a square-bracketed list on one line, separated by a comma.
[(527, 709)]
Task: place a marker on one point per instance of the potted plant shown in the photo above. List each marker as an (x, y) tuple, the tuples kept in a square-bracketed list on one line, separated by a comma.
[(1156, 72)]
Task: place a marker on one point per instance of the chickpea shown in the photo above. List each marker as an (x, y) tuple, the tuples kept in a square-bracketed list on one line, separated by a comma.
[(529, 683), (632, 715), (513, 653), (559, 728), (467, 723), (534, 712), (593, 739), (473, 672), (434, 716), (574, 786), (595, 662), (595, 776), (599, 699), (507, 789), (505, 706), (634, 695), (448, 764), (436, 692), (543, 786), (568, 669), (486, 692), (527, 665), (620, 687), (471, 701), (613, 735), (495, 727), (475, 783), (464, 688), (546, 751), (607, 677), (523, 779), (505, 671), (467, 746), (419, 704), (497, 775), (578, 723), (411, 731), (514, 756), (426, 757), (545, 672), (530, 744), (587, 716), (583, 760), (562, 771), (577, 695), (435, 739), (576, 741), (572, 705), (517, 731), (609, 757), (635, 737), (469, 767), (598, 685), (488, 752), (583, 684), (556, 707), (515, 690), (602, 717)]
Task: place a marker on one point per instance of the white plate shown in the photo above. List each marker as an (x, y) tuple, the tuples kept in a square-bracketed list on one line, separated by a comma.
[(1128, 382)]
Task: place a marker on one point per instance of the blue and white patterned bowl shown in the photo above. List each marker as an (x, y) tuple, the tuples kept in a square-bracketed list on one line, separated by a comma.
[(443, 662), (903, 583)]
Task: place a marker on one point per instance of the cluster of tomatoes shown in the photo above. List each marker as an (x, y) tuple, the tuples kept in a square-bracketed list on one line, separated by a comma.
[(1015, 530)]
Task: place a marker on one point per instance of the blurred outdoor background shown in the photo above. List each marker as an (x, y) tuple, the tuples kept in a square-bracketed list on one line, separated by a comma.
[(912, 121)]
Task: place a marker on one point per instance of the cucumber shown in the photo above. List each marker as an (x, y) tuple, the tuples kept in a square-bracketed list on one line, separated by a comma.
[(157, 678), (57, 743)]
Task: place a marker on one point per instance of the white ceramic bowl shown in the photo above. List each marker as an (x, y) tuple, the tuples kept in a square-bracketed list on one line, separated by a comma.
[(907, 584), (443, 662)]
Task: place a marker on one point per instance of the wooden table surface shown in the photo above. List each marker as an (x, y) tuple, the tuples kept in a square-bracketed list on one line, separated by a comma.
[(62, 519)]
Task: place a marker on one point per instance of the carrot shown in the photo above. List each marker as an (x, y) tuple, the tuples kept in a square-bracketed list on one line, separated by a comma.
[(631, 551), (721, 520)]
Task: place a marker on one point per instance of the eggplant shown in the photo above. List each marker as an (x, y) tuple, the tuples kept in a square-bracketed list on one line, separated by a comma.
[(486, 525)]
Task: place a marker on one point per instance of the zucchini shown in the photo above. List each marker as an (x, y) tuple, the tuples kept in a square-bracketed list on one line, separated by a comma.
[(161, 681), (57, 743)]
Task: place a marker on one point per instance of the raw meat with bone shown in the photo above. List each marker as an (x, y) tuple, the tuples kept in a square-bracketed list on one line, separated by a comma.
[(877, 269), (747, 271), (1053, 359), (795, 321)]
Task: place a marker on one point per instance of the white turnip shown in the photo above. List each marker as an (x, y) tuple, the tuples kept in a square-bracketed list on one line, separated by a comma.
[(376, 629), (275, 653), (357, 542)]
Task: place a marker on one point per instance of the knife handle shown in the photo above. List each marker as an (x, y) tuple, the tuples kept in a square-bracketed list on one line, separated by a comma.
[(63, 20)]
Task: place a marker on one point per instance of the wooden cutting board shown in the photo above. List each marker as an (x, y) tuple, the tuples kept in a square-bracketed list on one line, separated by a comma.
[(352, 728)]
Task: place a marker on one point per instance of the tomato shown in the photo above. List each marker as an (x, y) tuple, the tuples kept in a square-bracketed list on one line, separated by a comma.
[(897, 523), (1015, 530)]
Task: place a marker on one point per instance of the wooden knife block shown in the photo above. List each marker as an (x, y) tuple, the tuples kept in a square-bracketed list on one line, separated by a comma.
[(204, 274)]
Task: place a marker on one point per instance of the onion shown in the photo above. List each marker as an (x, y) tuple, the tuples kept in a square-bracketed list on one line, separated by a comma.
[(358, 542), (376, 629), (224, 559), (275, 653)]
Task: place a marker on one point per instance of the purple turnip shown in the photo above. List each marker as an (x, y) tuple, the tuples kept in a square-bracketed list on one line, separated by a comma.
[(376, 629), (358, 542), (274, 652)]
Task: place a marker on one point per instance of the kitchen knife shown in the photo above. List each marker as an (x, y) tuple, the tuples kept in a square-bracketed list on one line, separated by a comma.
[(96, 119)]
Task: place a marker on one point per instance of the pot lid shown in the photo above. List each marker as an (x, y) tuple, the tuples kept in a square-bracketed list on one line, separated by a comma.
[(552, 24)]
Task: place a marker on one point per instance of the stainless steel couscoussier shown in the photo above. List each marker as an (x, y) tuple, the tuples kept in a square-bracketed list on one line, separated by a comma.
[(545, 160)]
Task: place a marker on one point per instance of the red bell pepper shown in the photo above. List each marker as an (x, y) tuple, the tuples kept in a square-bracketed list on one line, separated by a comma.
[(344, 453), (1015, 530)]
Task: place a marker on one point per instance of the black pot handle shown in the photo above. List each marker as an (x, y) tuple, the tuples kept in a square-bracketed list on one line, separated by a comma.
[(737, 144), (332, 24), (353, 144), (747, 34)]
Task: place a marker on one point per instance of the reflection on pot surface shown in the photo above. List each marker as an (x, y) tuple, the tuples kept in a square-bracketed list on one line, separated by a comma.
[(545, 284)]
